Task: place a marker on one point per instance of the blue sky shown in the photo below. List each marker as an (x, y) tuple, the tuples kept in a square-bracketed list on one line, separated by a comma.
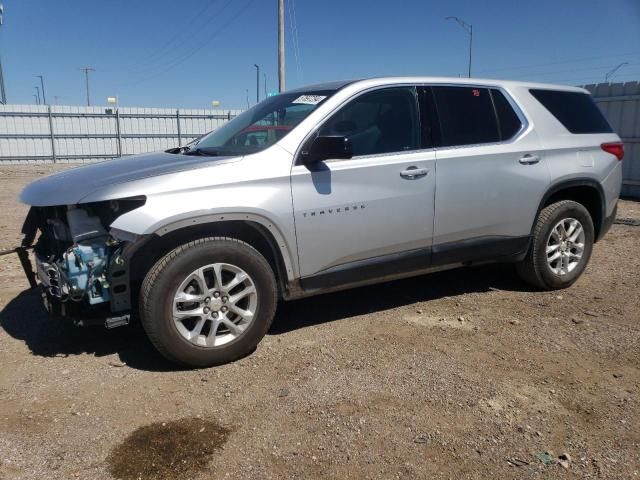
[(187, 53)]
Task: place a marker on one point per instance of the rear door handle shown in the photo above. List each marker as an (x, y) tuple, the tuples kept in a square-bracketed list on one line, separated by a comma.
[(411, 173), (529, 159)]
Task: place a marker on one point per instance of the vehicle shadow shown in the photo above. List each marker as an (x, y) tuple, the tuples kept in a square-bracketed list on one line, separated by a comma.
[(383, 296), (23, 318)]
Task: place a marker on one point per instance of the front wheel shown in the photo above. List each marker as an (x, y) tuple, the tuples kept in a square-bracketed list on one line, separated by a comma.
[(561, 246), (208, 302)]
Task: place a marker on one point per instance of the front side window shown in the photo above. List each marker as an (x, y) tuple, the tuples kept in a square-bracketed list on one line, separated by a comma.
[(467, 115), (378, 122), (261, 126)]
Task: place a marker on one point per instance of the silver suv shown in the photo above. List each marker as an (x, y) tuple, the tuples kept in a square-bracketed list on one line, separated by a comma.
[(325, 188)]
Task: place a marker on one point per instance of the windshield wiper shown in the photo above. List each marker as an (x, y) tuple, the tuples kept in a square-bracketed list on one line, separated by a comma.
[(177, 150), (205, 152)]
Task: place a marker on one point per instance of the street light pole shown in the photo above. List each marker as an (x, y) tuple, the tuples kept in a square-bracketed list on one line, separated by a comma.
[(281, 86), (86, 77), (38, 92), (469, 29), (257, 83), (44, 98), (611, 72)]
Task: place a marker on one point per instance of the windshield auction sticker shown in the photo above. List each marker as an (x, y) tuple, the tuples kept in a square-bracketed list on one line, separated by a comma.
[(309, 99)]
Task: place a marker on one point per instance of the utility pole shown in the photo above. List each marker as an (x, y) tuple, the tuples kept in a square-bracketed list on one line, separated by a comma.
[(281, 87), (469, 29), (44, 98), (86, 77), (3, 94), (257, 82), (38, 94)]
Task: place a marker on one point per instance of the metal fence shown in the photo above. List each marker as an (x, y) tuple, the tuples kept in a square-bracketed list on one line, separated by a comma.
[(58, 134), (620, 103)]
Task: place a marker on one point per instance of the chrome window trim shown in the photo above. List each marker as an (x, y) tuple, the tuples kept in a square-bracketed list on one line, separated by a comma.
[(374, 156)]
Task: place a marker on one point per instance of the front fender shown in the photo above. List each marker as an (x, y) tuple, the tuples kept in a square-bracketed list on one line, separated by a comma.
[(161, 218)]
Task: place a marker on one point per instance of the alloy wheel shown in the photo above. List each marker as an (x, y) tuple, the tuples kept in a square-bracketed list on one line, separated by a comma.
[(565, 246), (214, 305)]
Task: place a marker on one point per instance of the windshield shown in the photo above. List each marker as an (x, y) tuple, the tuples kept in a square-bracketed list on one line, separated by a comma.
[(261, 126)]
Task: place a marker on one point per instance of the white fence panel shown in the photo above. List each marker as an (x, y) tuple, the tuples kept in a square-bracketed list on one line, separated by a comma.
[(39, 133), (620, 103)]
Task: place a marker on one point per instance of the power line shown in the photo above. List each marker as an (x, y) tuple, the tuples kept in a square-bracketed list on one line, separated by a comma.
[(173, 54), (577, 60), (586, 81), (169, 61), (183, 30), (554, 72), (591, 79), (180, 60)]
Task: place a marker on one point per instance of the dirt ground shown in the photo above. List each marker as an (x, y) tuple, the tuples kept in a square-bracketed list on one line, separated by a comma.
[(461, 374)]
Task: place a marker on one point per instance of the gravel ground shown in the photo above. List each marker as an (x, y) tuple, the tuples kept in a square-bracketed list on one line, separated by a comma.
[(460, 374)]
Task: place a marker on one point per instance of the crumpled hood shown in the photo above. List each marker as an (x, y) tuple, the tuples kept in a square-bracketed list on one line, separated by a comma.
[(71, 186)]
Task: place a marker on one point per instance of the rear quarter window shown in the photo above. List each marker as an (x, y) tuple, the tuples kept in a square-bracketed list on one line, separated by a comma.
[(576, 111)]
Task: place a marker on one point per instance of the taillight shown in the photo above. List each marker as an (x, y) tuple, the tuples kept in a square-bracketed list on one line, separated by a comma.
[(614, 148)]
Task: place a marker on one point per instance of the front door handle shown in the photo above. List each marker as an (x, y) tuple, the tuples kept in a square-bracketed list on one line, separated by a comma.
[(529, 159), (411, 173)]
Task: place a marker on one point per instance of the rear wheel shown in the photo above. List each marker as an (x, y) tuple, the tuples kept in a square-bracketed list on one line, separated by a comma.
[(561, 246), (208, 302)]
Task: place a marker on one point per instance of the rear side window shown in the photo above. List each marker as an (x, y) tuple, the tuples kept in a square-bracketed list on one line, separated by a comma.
[(508, 121), (466, 116), (576, 111)]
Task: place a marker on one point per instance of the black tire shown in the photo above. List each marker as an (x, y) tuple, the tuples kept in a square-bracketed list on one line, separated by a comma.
[(535, 269), (160, 284)]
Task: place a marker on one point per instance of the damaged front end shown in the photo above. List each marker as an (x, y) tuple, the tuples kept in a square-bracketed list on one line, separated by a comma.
[(82, 266)]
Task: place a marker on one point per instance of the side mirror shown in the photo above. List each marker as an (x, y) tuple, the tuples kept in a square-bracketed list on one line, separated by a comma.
[(326, 148)]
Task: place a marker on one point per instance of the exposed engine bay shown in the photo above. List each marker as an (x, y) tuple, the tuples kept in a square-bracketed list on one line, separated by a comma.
[(80, 265)]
